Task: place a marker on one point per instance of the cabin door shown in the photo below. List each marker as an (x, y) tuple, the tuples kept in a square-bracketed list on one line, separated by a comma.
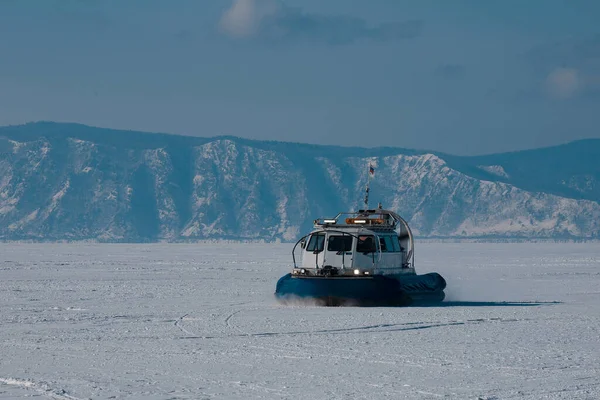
[(339, 250), (367, 255), (314, 255)]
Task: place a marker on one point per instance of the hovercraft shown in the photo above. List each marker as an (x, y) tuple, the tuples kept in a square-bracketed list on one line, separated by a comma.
[(362, 258)]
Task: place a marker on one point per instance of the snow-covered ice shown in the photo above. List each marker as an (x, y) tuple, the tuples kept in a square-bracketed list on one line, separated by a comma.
[(199, 321)]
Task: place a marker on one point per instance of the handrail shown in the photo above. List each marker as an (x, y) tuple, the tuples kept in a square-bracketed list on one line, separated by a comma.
[(294, 249), (410, 257)]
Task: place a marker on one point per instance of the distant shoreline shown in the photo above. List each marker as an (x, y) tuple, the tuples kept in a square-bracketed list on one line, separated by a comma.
[(263, 241)]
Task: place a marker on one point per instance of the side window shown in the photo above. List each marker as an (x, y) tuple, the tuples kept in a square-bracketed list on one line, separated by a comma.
[(400, 245), (339, 243), (389, 243), (366, 244), (316, 242), (383, 244), (395, 243)]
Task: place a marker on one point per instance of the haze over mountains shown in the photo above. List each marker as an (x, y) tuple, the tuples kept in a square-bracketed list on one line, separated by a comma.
[(74, 182)]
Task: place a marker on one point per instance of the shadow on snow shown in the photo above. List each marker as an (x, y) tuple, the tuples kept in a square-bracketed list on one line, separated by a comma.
[(488, 304)]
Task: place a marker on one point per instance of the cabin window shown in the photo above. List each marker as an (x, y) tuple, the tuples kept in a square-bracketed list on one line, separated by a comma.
[(339, 243), (366, 244), (316, 242), (383, 244), (389, 243), (400, 244), (395, 243)]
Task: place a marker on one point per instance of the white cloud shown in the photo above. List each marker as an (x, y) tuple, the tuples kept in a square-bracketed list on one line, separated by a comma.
[(563, 82), (243, 18), (272, 20)]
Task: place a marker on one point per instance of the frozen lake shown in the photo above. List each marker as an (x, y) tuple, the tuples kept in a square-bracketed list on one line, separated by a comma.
[(199, 321)]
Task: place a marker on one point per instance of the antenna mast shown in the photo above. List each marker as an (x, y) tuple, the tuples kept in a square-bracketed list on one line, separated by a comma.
[(369, 175)]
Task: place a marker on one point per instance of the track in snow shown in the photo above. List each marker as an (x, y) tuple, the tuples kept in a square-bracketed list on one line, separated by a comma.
[(42, 388)]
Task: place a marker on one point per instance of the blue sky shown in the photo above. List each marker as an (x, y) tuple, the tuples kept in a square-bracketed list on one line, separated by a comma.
[(460, 76)]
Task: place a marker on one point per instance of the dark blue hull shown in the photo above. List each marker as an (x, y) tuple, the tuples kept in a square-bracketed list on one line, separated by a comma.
[(398, 290)]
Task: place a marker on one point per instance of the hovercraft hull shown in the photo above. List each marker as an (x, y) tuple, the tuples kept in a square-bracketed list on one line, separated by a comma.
[(378, 290)]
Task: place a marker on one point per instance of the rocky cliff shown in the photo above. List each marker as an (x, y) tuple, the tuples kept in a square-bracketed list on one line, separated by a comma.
[(73, 182)]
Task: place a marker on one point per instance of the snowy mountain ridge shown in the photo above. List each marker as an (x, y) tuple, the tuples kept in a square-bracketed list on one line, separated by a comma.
[(73, 182)]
